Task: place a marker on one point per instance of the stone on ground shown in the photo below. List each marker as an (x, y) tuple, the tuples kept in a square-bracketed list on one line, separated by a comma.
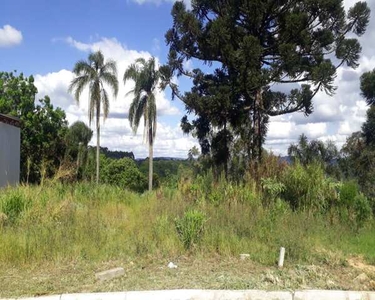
[(244, 256), (171, 265), (110, 274), (361, 278)]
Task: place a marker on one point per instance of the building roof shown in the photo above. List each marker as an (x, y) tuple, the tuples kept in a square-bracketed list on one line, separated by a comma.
[(10, 120)]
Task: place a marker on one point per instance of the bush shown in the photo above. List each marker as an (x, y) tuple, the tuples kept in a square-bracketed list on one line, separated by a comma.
[(307, 187), (348, 193), (272, 189), (190, 227), (362, 210), (124, 173), (12, 204)]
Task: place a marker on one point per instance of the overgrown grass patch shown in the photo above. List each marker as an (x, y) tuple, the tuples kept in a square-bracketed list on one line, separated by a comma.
[(68, 223)]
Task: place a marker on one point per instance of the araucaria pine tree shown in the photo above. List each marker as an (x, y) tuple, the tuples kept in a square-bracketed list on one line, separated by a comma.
[(249, 47)]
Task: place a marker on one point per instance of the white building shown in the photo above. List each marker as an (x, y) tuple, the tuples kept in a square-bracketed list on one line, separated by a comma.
[(10, 143)]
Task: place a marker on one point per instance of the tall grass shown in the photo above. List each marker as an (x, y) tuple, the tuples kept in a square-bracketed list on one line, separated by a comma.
[(59, 222)]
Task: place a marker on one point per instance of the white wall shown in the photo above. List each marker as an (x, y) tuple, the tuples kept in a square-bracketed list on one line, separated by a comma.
[(9, 154)]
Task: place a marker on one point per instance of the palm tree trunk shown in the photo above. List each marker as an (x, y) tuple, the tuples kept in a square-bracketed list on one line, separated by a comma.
[(97, 150), (150, 160), (78, 158)]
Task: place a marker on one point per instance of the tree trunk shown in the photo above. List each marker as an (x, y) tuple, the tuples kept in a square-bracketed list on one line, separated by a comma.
[(150, 158), (227, 150), (258, 126), (257, 137), (97, 150), (78, 158), (259, 131)]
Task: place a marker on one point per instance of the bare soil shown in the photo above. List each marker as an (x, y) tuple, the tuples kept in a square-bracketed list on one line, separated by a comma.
[(192, 273)]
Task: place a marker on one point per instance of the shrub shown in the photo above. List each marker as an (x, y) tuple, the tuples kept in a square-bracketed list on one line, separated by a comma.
[(362, 210), (271, 166), (348, 193), (272, 190), (190, 227), (12, 204), (124, 173), (307, 187)]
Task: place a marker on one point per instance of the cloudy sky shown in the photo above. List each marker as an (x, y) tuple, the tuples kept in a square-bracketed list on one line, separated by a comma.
[(46, 38)]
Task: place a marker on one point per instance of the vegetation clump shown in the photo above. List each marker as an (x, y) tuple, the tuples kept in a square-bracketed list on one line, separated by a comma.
[(190, 227)]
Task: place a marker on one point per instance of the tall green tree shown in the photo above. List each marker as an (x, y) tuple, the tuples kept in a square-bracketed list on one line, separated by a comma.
[(307, 152), (43, 127), (249, 46), (368, 128), (358, 153), (368, 87), (77, 140), (146, 77), (96, 74), (193, 154)]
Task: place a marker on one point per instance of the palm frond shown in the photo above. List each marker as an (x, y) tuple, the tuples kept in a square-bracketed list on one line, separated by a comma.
[(77, 86), (146, 78), (94, 98), (131, 73), (94, 73), (139, 113), (105, 102), (132, 110), (111, 80), (96, 60), (132, 91), (83, 67), (109, 67), (141, 61)]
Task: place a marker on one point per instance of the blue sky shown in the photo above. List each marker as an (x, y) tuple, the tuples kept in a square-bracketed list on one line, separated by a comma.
[(44, 22), (45, 38), (50, 30)]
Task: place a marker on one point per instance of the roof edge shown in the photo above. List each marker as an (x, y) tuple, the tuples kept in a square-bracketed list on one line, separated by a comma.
[(13, 121)]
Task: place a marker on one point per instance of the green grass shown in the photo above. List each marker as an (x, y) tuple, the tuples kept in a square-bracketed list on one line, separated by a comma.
[(63, 222), (90, 226)]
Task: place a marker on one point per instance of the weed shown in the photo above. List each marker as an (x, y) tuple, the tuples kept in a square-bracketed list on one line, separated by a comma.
[(190, 227), (12, 204)]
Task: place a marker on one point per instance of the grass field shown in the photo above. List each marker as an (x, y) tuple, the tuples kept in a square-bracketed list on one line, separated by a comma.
[(54, 238)]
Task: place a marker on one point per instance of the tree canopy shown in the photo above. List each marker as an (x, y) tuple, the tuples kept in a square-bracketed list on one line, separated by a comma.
[(79, 134), (368, 87), (43, 127), (249, 49)]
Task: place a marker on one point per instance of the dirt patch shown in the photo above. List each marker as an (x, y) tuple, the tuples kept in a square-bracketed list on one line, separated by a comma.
[(152, 273), (360, 264)]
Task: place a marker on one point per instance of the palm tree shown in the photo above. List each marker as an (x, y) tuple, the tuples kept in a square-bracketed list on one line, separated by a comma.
[(314, 151), (146, 78), (95, 73)]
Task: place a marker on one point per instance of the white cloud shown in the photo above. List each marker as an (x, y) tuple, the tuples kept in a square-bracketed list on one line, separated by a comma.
[(116, 133), (155, 45), (10, 36), (336, 117), (188, 65)]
